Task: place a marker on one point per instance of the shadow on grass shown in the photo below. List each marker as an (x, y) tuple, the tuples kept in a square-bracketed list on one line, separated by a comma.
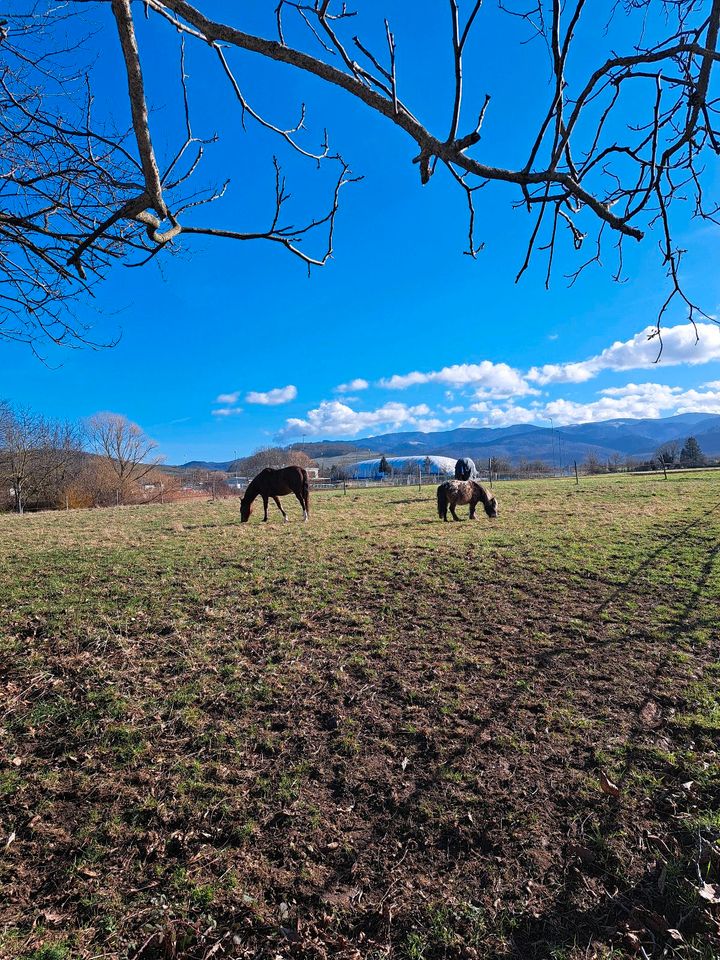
[(672, 538)]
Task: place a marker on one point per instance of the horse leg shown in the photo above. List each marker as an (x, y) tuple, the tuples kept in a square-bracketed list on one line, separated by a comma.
[(452, 511), (472, 509), (279, 506), (301, 501), (265, 506)]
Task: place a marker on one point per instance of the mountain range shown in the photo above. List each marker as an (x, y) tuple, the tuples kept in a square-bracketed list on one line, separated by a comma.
[(560, 446)]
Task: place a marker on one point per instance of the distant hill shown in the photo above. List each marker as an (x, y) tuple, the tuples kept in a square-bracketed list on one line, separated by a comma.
[(327, 448), (626, 437), (205, 465)]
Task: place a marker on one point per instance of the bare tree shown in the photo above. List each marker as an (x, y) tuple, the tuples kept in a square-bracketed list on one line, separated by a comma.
[(76, 195), (37, 457), (125, 447), (59, 178), (668, 452), (340, 472), (594, 465), (271, 457), (502, 466), (620, 141)]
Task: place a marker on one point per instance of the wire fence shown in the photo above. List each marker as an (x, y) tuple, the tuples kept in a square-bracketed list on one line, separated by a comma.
[(223, 489)]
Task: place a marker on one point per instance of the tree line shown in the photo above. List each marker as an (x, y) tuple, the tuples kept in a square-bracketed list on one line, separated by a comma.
[(48, 464), (674, 453), (270, 457), (108, 460)]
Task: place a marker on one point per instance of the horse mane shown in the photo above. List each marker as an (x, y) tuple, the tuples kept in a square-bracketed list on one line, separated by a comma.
[(251, 488)]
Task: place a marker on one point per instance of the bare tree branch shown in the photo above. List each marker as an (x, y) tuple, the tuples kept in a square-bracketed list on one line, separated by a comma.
[(620, 140)]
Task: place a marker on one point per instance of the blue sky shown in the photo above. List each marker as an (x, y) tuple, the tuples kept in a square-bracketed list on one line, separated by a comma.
[(226, 347)]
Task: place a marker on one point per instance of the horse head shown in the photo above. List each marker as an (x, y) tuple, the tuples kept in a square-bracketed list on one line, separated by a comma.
[(489, 500), (245, 509)]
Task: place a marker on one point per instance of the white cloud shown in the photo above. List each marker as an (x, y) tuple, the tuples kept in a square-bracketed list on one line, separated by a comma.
[(227, 411), (637, 400), (451, 410), (228, 397), (432, 423), (499, 378), (334, 418), (273, 397), (632, 401), (680, 345), (353, 385), (486, 393), (501, 416)]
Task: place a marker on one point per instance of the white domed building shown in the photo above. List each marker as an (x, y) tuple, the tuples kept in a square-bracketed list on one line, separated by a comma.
[(426, 465)]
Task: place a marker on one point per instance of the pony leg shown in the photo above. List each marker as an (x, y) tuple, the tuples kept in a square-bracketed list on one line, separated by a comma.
[(265, 506), (472, 511), (279, 506), (452, 511)]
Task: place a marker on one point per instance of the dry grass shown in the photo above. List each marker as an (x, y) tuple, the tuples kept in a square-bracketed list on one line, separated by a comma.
[(374, 735)]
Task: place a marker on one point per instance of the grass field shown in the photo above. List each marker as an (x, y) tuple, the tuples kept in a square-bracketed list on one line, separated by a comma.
[(373, 735)]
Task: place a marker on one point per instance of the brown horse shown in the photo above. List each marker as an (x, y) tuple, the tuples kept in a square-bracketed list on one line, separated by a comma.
[(454, 493), (275, 483)]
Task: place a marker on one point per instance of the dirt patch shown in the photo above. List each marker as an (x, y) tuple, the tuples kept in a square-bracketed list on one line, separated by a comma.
[(302, 742)]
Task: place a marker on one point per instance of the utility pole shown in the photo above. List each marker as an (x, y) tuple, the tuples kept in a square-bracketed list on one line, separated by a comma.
[(552, 441)]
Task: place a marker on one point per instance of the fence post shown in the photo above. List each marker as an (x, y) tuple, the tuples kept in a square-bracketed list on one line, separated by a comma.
[(490, 470), (577, 479), (345, 487), (664, 469)]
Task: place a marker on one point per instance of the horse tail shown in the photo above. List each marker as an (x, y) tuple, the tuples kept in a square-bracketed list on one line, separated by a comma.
[(442, 501), (306, 491)]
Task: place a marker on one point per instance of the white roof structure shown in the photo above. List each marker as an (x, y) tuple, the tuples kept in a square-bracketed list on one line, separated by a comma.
[(369, 469)]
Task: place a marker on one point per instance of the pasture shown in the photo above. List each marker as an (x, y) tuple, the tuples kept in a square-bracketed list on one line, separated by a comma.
[(372, 735)]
